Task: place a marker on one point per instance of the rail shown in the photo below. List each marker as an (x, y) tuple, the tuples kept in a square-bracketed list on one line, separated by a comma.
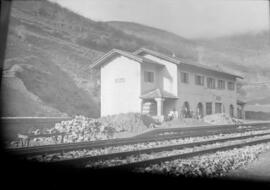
[(185, 155), (181, 133), (82, 161)]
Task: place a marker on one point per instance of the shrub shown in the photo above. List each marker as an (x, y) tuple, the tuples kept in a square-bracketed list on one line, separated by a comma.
[(132, 122)]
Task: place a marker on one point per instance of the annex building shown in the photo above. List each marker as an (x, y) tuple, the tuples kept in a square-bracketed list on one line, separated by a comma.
[(152, 83)]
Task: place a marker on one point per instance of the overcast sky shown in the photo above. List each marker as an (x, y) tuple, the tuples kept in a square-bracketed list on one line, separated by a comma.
[(187, 18)]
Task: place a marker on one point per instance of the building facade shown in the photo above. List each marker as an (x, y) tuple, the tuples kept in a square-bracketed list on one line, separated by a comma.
[(153, 83)]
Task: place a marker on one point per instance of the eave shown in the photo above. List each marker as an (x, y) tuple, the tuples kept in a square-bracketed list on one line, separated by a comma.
[(117, 52), (179, 61)]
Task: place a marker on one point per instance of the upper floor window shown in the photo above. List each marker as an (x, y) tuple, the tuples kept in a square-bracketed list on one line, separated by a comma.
[(148, 76), (199, 80), (221, 84), (184, 77), (211, 83), (231, 85)]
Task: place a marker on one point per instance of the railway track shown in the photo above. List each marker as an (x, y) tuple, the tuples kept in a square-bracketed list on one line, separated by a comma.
[(176, 133), (211, 139), (204, 128), (144, 163), (82, 161)]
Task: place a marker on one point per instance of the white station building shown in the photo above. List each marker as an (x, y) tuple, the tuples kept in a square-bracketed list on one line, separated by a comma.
[(152, 83)]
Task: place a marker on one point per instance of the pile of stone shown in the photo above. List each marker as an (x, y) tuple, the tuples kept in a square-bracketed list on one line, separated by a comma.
[(81, 129)]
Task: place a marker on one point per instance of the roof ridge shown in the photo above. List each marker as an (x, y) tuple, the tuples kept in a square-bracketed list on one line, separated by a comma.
[(135, 55), (178, 60), (162, 55), (114, 50), (138, 58)]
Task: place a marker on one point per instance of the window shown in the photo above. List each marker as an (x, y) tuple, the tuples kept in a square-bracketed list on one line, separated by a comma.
[(231, 86), (221, 84), (211, 83), (148, 76), (218, 107), (184, 77), (231, 111), (208, 108), (200, 110), (186, 110), (199, 80)]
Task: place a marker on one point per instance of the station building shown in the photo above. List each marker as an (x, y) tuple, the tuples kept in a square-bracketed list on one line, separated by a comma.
[(152, 83)]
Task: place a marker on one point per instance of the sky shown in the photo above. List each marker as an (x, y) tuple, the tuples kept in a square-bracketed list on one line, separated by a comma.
[(187, 18)]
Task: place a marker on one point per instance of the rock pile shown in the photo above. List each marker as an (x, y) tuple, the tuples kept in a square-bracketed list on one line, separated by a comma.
[(82, 129)]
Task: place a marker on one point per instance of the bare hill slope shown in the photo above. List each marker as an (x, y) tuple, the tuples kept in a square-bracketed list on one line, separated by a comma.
[(50, 48)]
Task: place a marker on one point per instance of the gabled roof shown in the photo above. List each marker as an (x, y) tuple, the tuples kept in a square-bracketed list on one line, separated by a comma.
[(157, 54), (115, 52), (179, 61), (157, 93)]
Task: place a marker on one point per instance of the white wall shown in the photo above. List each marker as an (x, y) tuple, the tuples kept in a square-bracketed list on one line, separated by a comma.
[(148, 86), (168, 75), (123, 96), (120, 86)]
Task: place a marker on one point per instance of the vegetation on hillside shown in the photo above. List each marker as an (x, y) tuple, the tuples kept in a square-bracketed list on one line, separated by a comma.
[(50, 49)]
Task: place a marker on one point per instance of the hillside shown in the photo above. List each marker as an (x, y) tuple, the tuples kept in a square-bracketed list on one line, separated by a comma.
[(48, 53), (45, 72), (173, 43), (250, 54), (247, 54), (50, 48)]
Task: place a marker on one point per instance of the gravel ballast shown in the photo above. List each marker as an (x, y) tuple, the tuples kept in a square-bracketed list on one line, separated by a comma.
[(139, 146)]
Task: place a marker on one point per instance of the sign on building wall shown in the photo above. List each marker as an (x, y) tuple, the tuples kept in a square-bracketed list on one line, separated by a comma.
[(119, 80)]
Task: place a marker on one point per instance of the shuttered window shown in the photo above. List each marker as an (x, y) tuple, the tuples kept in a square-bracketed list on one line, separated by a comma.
[(209, 108), (221, 84), (199, 80), (231, 85), (184, 77), (211, 83), (148, 76), (218, 107)]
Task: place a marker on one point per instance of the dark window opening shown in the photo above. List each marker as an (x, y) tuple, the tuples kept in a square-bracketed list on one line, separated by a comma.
[(148, 76), (218, 107), (231, 86), (221, 84), (211, 83), (199, 80), (208, 108), (184, 77)]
